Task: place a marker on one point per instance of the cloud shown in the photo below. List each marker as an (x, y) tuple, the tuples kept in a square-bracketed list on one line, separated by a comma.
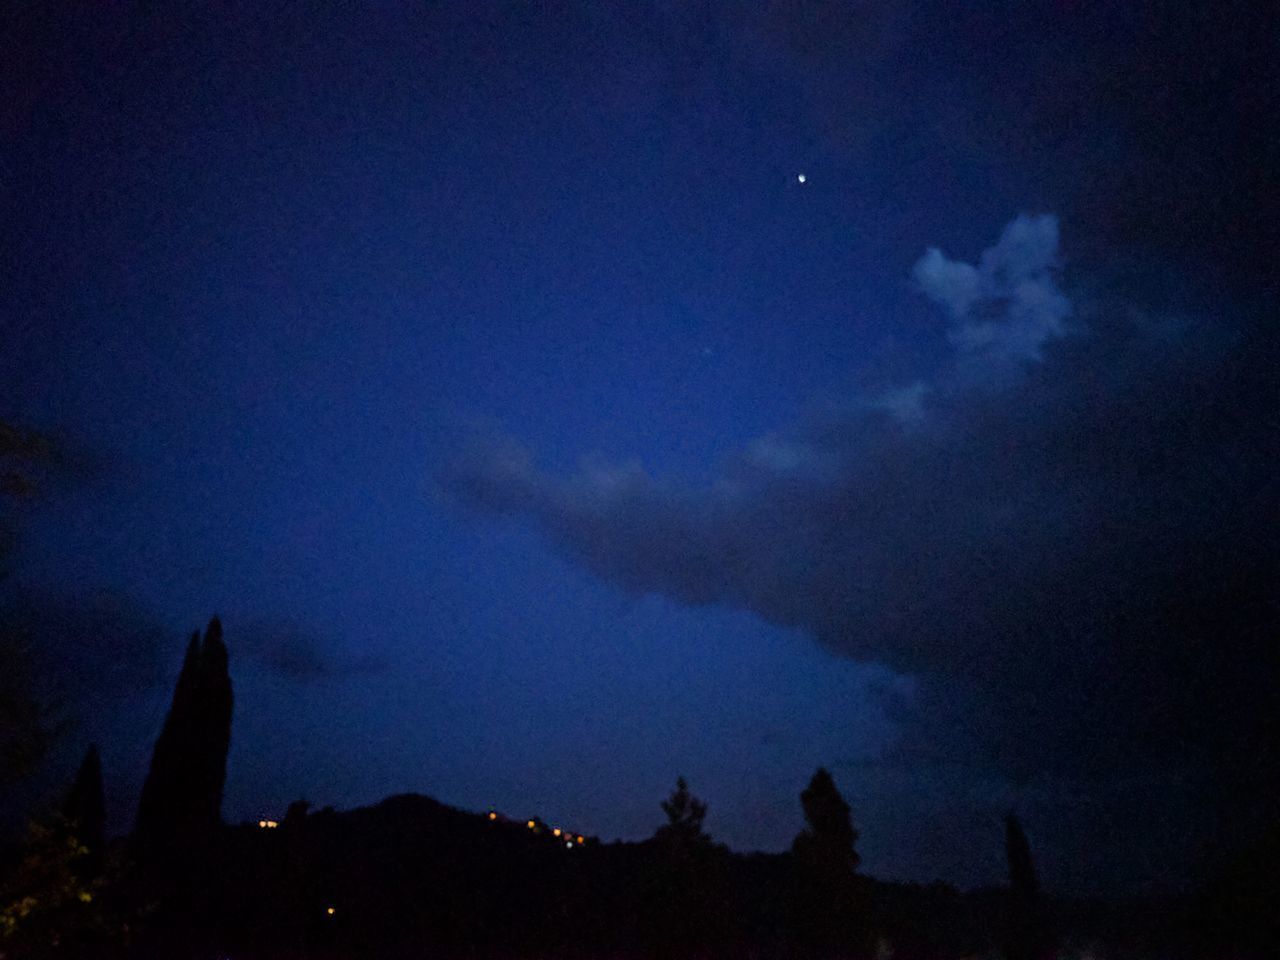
[(292, 650), (23, 454), (1078, 562), (1008, 306), (69, 664), (951, 283), (905, 403), (85, 652)]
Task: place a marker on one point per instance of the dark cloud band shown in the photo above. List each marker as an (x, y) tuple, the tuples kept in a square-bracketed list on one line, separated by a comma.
[(1070, 537)]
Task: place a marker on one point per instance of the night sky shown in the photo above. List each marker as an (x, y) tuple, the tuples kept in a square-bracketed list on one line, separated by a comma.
[(539, 436)]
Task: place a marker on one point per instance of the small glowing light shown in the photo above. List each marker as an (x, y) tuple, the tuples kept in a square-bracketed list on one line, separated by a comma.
[(530, 824), (262, 824), (580, 840), (569, 844), (801, 178), (271, 824), (492, 815), (329, 911), (556, 831)]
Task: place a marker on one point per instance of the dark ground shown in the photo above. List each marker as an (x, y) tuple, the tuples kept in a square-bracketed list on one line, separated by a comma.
[(411, 877)]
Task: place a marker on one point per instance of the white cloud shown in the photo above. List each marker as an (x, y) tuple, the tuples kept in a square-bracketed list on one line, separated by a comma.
[(951, 283), (905, 403), (1008, 306)]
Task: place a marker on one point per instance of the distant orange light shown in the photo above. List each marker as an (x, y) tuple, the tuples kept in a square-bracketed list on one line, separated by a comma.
[(271, 824), (531, 824), (329, 911), (492, 815), (556, 831), (580, 840), (262, 824)]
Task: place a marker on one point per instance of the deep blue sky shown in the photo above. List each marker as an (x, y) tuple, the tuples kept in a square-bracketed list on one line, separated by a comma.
[(268, 273)]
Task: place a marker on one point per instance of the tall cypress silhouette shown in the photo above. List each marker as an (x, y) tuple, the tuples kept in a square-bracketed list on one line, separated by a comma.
[(214, 704), (161, 809), (830, 910), (1024, 924), (181, 799), (85, 814)]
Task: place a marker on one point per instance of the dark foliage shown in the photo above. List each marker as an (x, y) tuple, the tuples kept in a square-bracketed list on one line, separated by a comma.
[(829, 899), (1237, 902), (830, 838), (1025, 934), (181, 803), (412, 877), (685, 814), (214, 706), (687, 900), (58, 897), (85, 813)]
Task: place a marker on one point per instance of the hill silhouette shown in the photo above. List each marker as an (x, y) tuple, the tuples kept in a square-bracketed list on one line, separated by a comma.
[(411, 876)]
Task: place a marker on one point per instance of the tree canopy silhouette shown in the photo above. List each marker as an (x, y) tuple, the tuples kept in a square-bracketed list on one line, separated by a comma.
[(1025, 932), (830, 912), (85, 813), (685, 814), (181, 799), (687, 895), (830, 837)]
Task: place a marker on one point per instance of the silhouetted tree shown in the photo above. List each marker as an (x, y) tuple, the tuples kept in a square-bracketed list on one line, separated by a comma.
[(181, 799), (688, 894), (685, 814), (85, 814), (1235, 906), (831, 836), (1025, 929), (830, 909), (164, 807), (46, 908), (214, 702), (51, 903)]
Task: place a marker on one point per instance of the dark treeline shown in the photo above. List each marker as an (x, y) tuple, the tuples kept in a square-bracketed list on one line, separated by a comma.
[(412, 877)]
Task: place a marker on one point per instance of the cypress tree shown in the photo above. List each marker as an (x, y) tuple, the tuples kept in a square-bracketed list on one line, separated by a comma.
[(1025, 934), (831, 835), (162, 808), (214, 700), (85, 814), (828, 902), (181, 803)]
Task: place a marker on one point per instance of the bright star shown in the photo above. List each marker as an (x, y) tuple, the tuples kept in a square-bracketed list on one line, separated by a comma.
[(801, 177)]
